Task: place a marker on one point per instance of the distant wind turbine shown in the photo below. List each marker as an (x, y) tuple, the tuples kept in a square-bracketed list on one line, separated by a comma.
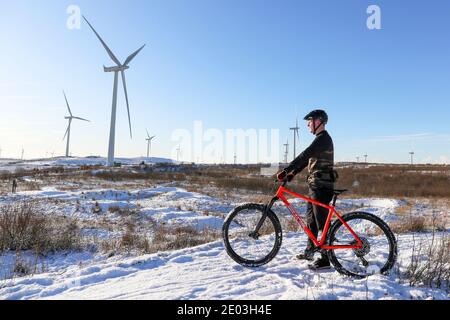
[(412, 156), (149, 143), (296, 135), (70, 118), (286, 152), (116, 69)]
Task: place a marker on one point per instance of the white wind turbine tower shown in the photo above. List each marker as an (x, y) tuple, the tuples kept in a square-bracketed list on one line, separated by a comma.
[(116, 69), (296, 135), (70, 118), (149, 143), (286, 152)]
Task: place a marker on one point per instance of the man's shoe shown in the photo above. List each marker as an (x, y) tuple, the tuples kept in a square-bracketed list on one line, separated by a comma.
[(306, 255), (320, 264)]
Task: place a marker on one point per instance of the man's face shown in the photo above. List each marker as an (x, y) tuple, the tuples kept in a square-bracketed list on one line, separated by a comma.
[(310, 125)]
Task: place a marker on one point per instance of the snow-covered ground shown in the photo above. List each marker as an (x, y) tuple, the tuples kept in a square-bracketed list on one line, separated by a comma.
[(206, 272), (169, 204), (202, 272), (14, 164)]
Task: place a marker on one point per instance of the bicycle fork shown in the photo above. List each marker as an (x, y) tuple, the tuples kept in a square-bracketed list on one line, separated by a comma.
[(255, 234)]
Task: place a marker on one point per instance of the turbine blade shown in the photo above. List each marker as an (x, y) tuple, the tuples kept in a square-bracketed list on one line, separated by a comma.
[(147, 134), (152, 137), (67, 103), (81, 119), (126, 98), (131, 57), (110, 53)]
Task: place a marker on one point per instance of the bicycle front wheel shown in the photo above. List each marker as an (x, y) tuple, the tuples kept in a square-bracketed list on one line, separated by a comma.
[(379, 250), (241, 242)]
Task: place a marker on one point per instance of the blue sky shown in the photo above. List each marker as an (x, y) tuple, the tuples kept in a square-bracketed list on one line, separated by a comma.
[(232, 65)]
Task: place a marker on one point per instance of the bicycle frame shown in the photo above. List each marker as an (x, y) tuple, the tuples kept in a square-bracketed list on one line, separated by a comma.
[(331, 211)]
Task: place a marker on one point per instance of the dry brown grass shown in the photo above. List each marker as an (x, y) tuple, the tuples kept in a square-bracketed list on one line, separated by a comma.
[(397, 180), (404, 209), (379, 180), (155, 238), (123, 211), (430, 264), (290, 224), (24, 227), (178, 237), (412, 224), (134, 240)]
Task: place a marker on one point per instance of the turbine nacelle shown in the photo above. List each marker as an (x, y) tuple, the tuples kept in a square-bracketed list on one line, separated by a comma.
[(115, 69)]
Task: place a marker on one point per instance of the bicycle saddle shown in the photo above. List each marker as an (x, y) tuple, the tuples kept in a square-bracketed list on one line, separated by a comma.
[(339, 191)]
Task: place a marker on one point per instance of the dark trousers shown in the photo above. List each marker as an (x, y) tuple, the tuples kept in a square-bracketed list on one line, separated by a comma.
[(316, 216)]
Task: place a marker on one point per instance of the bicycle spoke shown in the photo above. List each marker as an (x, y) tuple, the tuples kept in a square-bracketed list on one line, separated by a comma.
[(245, 244), (377, 245)]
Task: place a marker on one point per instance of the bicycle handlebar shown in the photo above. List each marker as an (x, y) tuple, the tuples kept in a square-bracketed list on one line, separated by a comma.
[(283, 182)]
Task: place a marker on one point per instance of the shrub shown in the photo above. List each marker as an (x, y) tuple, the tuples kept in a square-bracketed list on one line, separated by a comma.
[(411, 224), (24, 227), (178, 237), (430, 264)]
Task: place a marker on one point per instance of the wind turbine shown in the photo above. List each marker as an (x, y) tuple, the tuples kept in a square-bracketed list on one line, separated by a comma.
[(296, 135), (286, 152), (70, 118), (116, 69), (412, 155), (149, 143)]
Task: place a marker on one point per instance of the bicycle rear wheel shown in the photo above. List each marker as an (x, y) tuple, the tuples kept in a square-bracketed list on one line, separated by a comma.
[(245, 247), (379, 251)]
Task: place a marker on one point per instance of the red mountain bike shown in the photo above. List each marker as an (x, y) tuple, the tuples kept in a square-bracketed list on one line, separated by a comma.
[(358, 243)]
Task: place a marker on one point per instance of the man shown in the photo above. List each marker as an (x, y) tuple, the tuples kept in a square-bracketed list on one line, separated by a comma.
[(319, 159)]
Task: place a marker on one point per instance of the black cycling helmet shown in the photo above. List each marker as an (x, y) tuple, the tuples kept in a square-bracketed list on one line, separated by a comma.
[(317, 114)]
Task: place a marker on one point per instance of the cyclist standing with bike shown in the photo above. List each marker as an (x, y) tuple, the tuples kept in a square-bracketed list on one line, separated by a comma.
[(319, 158)]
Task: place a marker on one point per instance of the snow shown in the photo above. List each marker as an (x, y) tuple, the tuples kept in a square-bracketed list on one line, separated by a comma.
[(206, 272), (169, 204), (202, 272), (12, 165)]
